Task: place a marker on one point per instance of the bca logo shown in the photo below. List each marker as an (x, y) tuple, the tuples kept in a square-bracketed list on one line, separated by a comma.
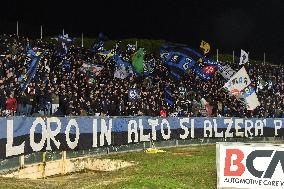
[(276, 157)]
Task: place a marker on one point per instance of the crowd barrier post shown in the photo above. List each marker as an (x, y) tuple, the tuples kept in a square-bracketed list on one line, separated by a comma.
[(63, 159), (176, 142), (22, 161), (43, 157)]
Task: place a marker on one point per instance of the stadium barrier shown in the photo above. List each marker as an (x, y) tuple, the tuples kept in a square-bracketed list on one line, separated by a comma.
[(29, 140)]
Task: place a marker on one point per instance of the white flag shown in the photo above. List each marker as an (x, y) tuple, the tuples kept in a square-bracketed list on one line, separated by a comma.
[(226, 71), (252, 101), (239, 85), (244, 57), (249, 96), (238, 82), (203, 102)]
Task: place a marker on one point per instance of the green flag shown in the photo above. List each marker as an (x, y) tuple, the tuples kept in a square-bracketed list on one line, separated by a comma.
[(138, 60)]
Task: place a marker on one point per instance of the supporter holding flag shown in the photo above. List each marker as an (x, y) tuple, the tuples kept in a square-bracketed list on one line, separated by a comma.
[(179, 67)]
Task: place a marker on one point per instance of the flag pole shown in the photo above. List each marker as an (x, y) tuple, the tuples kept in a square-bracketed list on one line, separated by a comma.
[(17, 28), (136, 45), (233, 56), (248, 59), (264, 58), (217, 55), (82, 44), (40, 31)]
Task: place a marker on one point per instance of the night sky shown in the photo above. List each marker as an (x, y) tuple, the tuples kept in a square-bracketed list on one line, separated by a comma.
[(255, 26)]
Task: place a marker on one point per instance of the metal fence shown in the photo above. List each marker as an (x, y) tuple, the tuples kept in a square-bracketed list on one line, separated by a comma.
[(15, 163)]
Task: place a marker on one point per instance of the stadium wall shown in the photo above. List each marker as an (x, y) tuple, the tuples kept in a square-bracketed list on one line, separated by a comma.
[(25, 135)]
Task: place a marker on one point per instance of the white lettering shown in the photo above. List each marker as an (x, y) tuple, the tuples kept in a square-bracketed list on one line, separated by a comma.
[(38, 146), (10, 149), (105, 132), (259, 127), (142, 136), (230, 124), (207, 127), (168, 136), (248, 127), (192, 128), (221, 134), (186, 131), (73, 144), (277, 125), (153, 123), (238, 128), (95, 132), (132, 128), (51, 134)]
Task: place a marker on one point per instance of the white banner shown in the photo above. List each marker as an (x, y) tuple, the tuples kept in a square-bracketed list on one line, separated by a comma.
[(242, 165), (238, 82)]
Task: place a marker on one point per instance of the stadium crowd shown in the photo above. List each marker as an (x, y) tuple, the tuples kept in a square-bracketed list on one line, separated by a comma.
[(67, 91)]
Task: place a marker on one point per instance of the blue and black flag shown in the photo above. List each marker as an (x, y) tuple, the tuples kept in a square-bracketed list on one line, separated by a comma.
[(28, 77), (181, 59)]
